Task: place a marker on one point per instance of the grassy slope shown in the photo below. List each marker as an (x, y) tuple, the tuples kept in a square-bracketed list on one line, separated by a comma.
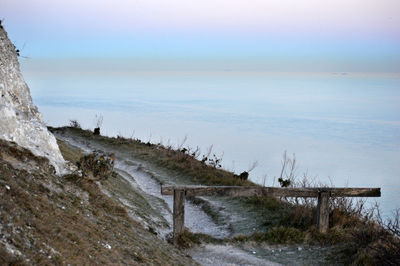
[(141, 207), (45, 219), (181, 163), (171, 166), (355, 239), (269, 212)]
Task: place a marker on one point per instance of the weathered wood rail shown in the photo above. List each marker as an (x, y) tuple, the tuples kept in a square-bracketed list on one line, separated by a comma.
[(322, 194)]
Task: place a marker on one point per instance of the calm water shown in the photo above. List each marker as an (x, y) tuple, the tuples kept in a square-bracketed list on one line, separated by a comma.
[(343, 129)]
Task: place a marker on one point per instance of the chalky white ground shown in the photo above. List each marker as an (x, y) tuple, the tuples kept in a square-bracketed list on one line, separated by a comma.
[(196, 220), (225, 255)]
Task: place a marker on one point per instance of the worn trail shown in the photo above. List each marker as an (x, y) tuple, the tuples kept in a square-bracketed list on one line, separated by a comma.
[(196, 220), (142, 179)]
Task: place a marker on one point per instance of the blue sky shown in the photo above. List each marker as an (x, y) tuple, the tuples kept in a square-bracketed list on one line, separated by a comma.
[(304, 35)]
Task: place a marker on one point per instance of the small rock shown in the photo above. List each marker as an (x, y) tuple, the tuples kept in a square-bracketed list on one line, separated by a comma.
[(16, 252)]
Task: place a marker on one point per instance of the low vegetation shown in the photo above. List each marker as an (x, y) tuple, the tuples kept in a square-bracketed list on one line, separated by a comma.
[(96, 165), (48, 220), (206, 171), (74, 123), (358, 235)]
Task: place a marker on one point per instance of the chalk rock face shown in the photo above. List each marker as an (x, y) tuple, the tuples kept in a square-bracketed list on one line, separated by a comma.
[(20, 120)]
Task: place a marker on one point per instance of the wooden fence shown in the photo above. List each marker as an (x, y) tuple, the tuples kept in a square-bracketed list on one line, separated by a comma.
[(322, 194)]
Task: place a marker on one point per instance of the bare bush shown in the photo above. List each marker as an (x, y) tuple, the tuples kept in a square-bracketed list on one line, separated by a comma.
[(98, 120), (195, 154), (252, 166), (180, 145), (74, 123), (207, 155), (306, 181), (288, 171), (377, 241), (393, 224), (149, 139), (132, 135), (264, 180), (215, 161)]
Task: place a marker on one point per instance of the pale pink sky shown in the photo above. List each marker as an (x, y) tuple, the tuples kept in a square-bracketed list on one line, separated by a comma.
[(361, 35), (350, 16)]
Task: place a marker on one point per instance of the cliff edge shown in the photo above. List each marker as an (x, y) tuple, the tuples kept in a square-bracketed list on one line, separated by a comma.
[(20, 120)]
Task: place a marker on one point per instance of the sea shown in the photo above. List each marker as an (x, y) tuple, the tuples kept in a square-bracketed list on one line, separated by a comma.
[(342, 128)]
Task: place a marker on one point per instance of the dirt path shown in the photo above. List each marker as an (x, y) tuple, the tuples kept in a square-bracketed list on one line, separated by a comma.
[(145, 179), (226, 255)]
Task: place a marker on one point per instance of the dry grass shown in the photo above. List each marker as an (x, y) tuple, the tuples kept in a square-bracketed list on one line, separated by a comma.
[(361, 238), (49, 220), (182, 161), (372, 241), (69, 153)]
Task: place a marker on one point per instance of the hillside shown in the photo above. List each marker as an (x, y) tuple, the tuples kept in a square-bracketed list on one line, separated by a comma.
[(262, 231), (72, 197), (217, 226), (45, 219), (123, 219)]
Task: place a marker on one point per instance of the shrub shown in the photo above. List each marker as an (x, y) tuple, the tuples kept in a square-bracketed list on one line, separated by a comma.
[(97, 165), (243, 176), (215, 162), (74, 123), (300, 216), (96, 131), (378, 240), (189, 239), (98, 120)]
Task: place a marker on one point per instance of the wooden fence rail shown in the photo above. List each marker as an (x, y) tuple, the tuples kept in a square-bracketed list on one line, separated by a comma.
[(322, 194)]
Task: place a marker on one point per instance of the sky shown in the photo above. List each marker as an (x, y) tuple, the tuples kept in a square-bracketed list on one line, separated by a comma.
[(281, 35)]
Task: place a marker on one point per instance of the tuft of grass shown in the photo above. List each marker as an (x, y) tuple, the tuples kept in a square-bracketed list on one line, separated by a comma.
[(288, 235), (189, 239), (277, 235), (299, 216), (267, 203)]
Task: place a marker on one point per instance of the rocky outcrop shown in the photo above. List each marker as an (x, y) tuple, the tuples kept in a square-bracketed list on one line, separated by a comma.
[(20, 120)]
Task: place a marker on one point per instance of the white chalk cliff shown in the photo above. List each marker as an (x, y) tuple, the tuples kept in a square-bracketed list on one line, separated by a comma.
[(20, 120)]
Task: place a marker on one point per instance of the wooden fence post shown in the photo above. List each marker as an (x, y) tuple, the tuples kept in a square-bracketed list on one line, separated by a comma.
[(179, 213), (323, 212), (323, 195)]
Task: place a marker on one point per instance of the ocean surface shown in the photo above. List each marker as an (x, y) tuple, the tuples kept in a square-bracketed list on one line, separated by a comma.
[(344, 128)]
